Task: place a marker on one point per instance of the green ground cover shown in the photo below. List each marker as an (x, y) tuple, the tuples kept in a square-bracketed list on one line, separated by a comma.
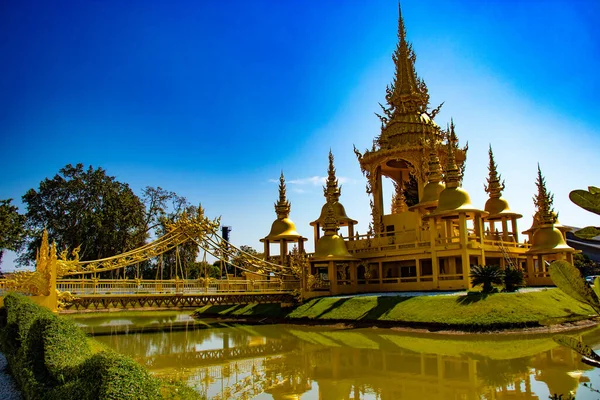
[(472, 311)]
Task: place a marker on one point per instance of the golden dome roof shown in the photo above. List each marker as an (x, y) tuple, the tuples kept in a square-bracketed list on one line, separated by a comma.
[(498, 207), (339, 212), (431, 195), (282, 229), (332, 247), (454, 199), (548, 239)]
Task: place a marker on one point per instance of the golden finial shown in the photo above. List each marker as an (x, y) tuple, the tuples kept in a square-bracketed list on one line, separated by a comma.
[(282, 207), (494, 187), (398, 200), (332, 191), (435, 169), (543, 201), (331, 225), (452, 171)]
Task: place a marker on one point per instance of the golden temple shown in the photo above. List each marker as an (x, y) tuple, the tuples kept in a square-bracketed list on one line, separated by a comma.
[(433, 233)]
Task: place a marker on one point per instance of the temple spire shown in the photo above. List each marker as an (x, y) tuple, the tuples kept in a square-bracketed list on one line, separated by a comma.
[(453, 175), (543, 201), (434, 174), (398, 200), (332, 191), (407, 92), (494, 188), (282, 207)]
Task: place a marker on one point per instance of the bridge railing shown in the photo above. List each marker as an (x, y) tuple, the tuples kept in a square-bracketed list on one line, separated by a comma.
[(119, 287)]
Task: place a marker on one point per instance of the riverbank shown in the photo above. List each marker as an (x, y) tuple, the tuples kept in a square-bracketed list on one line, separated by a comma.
[(471, 312)]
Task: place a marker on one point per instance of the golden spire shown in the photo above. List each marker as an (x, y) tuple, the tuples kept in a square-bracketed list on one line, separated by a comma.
[(453, 175), (282, 207), (435, 169), (543, 201), (398, 200), (332, 191), (494, 187), (408, 93)]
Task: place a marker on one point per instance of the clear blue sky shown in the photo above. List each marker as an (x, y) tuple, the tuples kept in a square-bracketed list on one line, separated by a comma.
[(213, 99)]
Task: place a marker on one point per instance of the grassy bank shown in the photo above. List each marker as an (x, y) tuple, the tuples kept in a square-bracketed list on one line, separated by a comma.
[(465, 312)]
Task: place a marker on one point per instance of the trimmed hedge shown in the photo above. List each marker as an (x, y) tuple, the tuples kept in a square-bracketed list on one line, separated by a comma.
[(50, 358)]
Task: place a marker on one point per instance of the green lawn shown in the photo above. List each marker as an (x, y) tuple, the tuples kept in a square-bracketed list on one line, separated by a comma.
[(476, 311)]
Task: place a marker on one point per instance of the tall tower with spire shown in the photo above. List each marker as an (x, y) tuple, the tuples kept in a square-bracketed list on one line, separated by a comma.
[(283, 229), (497, 207), (400, 151), (332, 192)]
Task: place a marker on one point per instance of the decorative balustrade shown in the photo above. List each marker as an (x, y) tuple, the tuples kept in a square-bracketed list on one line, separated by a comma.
[(120, 287)]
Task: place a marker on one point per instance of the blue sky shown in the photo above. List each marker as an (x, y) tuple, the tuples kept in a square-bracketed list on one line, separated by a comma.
[(213, 99)]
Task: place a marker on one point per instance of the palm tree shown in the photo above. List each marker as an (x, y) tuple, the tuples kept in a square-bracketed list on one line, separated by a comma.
[(486, 275), (514, 278)]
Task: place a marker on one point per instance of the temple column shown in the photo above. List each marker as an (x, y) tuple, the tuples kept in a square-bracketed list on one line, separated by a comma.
[(462, 230), (378, 200), (530, 269), (267, 250), (434, 261), (317, 234), (332, 272), (284, 250), (350, 231), (515, 232), (504, 230)]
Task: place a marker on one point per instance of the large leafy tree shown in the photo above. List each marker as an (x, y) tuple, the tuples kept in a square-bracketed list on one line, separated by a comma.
[(84, 208), (12, 227)]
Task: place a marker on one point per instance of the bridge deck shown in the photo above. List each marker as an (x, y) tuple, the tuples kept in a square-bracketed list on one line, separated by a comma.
[(179, 300)]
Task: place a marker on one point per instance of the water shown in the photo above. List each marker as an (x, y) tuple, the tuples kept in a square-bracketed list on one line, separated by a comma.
[(226, 361)]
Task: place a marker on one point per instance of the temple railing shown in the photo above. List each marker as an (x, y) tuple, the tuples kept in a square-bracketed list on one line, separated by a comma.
[(117, 287)]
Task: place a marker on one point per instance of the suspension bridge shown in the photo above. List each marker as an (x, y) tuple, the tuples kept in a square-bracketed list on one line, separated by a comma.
[(64, 282)]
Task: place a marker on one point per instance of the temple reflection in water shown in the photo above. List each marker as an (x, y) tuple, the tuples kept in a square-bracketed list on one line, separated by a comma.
[(289, 362)]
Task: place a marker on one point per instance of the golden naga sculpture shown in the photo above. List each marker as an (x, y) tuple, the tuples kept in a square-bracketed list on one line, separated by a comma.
[(37, 282)]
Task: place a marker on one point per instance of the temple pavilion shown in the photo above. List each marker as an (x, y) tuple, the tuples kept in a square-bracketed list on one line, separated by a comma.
[(433, 234)]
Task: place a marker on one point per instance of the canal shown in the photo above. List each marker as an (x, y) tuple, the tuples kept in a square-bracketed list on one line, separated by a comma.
[(229, 361)]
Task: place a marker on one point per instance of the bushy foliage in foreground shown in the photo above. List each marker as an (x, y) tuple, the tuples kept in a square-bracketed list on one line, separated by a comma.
[(50, 358)]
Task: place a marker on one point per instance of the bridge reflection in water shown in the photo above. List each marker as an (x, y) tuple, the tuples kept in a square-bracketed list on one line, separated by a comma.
[(292, 362)]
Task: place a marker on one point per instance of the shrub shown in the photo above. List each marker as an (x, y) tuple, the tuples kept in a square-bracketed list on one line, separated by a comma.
[(55, 349), (486, 275), (50, 358), (109, 375), (514, 278)]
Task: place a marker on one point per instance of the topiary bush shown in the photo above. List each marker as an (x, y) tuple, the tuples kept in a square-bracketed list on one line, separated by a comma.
[(50, 358), (55, 348), (109, 375)]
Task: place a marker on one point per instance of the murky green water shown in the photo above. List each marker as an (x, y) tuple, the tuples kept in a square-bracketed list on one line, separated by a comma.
[(294, 362)]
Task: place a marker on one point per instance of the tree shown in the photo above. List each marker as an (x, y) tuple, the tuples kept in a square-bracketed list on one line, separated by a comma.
[(514, 278), (486, 275), (12, 227), (84, 208)]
